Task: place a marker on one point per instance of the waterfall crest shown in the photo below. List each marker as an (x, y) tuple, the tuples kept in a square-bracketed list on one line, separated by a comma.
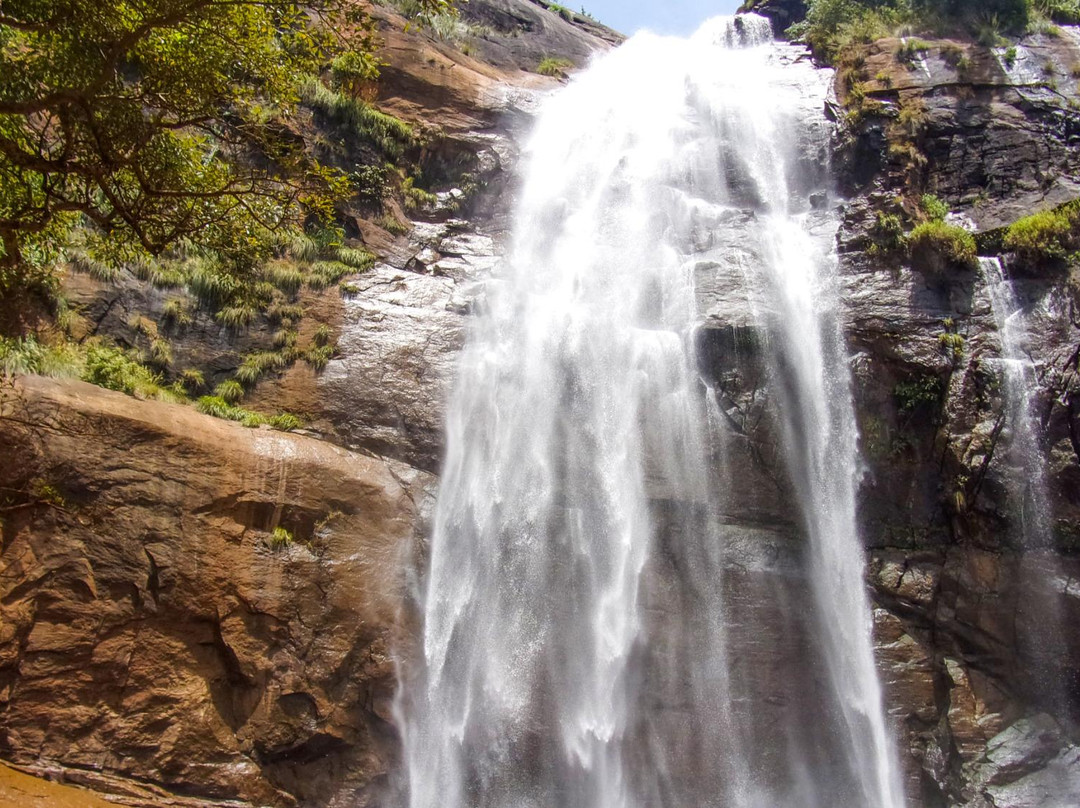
[(575, 633)]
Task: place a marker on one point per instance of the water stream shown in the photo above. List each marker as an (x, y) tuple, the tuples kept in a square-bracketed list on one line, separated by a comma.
[(1041, 638), (1018, 382), (576, 646)]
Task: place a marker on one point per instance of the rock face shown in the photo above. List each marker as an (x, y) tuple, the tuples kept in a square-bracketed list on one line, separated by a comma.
[(155, 626), (974, 627), (155, 639)]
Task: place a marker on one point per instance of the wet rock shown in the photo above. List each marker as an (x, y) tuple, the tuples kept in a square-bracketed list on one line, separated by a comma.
[(781, 13)]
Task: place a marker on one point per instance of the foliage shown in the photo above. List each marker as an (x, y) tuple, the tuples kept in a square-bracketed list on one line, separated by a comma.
[(237, 315), (111, 368), (423, 10), (229, 391), (417, 198), (554, 66), (284, 422), (286, 276), (371, 183), (26, 355), (161, 355), (176, 312), (441, 19), (256, 365), (393, 226), (912, 49), (94, 361), (45, 492), (952, 344), (887, 234), (833, 27), (280, 538), (936, 245), (1045, 237), (933, 208), (220, 408), (1066, 12), (319, 356), (922, 392), (192, 379), (327, 273), (387, 133), (562, 11), (148, 120)]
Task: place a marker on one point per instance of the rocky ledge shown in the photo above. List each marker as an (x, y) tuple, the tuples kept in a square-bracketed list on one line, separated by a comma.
[(195, 605)]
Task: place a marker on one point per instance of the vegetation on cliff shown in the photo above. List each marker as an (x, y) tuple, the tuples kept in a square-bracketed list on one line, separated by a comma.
[(1046, 237), (184, 143), (153, 122), (833, 26)]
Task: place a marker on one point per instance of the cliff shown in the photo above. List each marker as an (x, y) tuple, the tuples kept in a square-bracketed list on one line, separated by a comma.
[(163, 641)]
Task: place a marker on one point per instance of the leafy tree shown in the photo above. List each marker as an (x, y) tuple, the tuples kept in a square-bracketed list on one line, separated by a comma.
[(154, 120)]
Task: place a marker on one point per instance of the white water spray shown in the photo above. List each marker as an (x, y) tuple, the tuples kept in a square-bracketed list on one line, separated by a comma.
[(559, 667), (1023, 442)]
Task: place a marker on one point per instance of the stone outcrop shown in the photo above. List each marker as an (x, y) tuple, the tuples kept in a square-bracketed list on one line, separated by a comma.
[(157, 621)]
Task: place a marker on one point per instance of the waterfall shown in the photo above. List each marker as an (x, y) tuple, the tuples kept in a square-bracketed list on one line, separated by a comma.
[(575, 637), (1041, 638), (1018, 382)]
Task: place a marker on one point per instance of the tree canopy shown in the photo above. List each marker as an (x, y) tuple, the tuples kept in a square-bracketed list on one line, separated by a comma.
[(154, 120)]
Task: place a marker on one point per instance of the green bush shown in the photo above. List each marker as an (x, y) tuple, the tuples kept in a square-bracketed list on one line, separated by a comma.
[(1066, 12), (416, 198), (1045, 237), (256, 365), (389, 134), (319, 356), (230, 391), (832, 27), (218, 407), (912, 49), (110, 367), (325, 274), (358, 259), (284, 275), (887, 234), (554, 67), (25, 355), (562, 11), (192, 379), (936, 246), (280, 538), (176, 312), (236, 315), (933, 208), (285, 422), (93, 361), (921, 392)]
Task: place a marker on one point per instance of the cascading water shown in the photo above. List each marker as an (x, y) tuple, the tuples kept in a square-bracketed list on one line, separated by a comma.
[(575, 640), (1041, 640), (1023, 439)]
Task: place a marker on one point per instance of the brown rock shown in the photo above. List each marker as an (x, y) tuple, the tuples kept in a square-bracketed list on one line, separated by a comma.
[(152, 630)]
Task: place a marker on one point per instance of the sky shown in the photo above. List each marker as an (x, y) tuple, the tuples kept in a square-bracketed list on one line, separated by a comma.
[(662, 16)]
